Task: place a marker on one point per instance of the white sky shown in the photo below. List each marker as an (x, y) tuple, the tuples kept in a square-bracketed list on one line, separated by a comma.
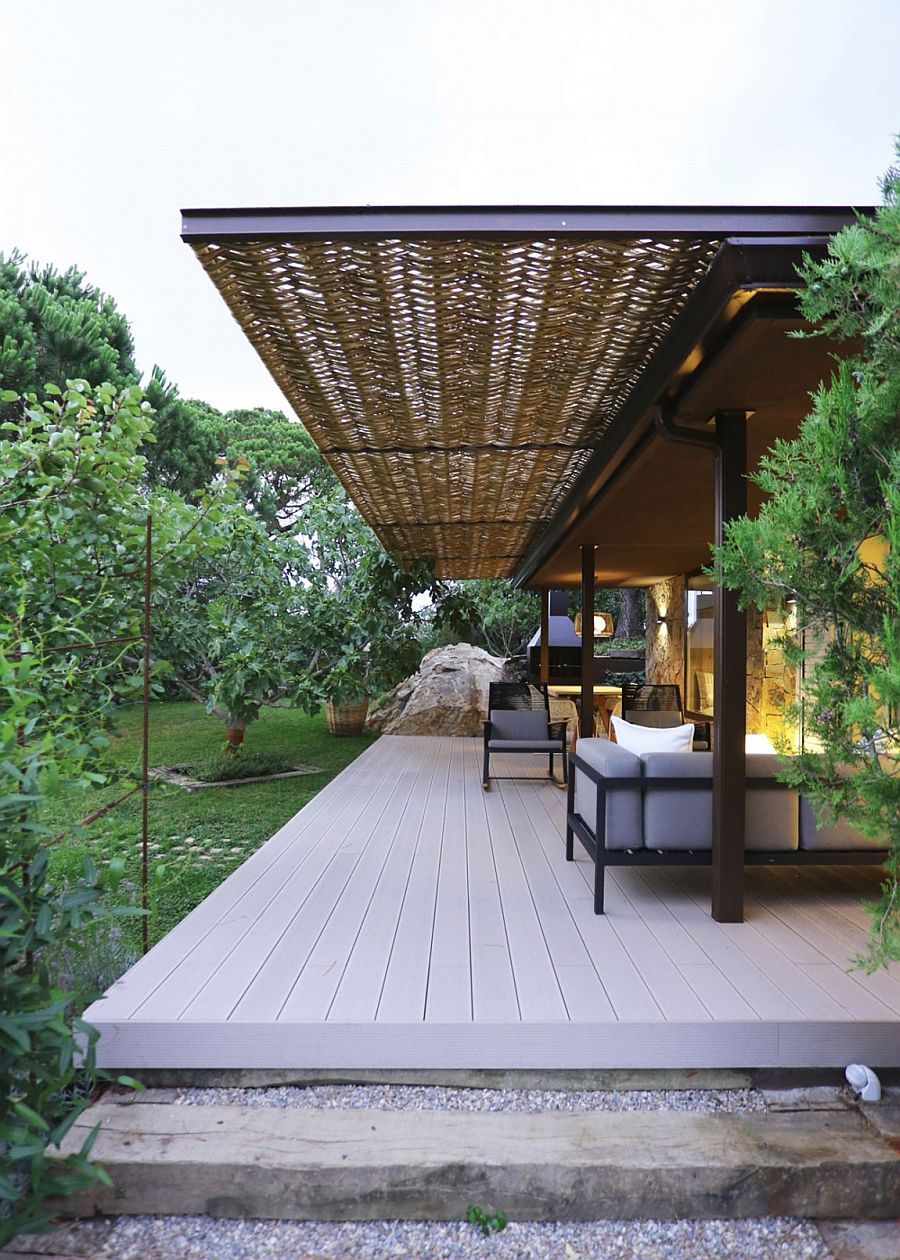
[(116, 113)]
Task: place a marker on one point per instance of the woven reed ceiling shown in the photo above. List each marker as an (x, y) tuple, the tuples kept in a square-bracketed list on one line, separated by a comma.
[(457, 387)]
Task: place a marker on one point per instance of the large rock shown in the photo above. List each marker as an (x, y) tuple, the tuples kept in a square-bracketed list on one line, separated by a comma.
[(448, 696)]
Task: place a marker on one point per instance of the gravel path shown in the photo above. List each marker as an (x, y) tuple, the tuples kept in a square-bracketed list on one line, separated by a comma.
[(442, 1098), (199, 1238)]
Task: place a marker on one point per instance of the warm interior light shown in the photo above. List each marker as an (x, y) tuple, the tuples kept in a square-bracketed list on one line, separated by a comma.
[(603, 625)]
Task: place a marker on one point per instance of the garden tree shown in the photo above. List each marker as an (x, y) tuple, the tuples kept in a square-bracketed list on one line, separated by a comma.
[(487, 612), (73, 509), (228, 630), (629, 624), (828, 536), (353, 606), (284, 466), (54, 326)]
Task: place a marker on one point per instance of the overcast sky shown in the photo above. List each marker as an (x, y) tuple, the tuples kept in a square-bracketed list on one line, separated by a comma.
[(114, 114)]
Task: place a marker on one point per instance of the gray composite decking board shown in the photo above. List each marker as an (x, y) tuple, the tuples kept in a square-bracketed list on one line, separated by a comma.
[(244, 947), (408, 918), (362, 980), (540, 996), (745, 1043), (782, 955), (403, 994), (623, 983), (767, 1001), (273, 983), (576, 972), (817, 927), (494, 993), (449, 996), (314, 990), (268, 869)]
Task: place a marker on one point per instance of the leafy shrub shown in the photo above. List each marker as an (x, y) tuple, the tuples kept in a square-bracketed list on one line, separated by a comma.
[(240, 765)]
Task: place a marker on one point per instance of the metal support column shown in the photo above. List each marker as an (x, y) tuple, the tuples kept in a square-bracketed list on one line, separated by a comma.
[(730, 685), (545, 634), (587, 641)]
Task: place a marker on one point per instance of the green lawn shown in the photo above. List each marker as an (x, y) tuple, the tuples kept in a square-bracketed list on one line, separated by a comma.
[(199, 837)]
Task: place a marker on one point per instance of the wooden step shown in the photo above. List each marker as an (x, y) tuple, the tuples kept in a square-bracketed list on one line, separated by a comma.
[(354, 1164)]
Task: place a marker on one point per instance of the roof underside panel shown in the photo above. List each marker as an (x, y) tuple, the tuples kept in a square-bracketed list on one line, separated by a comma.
[(457, 387)]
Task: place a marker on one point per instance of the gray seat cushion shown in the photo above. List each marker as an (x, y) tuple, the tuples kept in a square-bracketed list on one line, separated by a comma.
[(682, 818), (525, 745), (521, 725), (837, 835), (623, 806)]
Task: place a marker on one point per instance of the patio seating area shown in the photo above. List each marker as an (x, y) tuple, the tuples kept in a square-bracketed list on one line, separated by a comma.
[(406, 918)]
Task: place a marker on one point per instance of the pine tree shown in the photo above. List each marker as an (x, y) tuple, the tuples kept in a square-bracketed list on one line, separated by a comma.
[(829, 537)]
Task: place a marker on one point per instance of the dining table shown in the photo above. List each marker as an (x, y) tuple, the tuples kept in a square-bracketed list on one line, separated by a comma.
[(605, 700)]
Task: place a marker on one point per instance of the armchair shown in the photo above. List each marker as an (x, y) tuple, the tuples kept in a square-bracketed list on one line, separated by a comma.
[(519, 722)]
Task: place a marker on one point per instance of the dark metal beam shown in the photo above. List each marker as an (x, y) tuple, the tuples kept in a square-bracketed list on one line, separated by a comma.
[(729, 685), (739, 265), (511, 222), (545, 635), (587, 642)]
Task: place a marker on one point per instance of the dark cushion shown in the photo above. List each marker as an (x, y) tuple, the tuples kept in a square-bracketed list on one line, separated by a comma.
[(662, 719)]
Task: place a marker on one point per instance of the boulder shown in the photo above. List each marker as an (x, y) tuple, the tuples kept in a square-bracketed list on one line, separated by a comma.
[(448, 695)]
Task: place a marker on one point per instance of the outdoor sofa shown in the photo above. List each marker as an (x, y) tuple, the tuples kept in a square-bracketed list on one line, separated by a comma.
[(655, 809)]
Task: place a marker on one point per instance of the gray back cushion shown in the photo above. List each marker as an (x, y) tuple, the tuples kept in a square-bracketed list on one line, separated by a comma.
[(772, 813), (519, 724), (677, 818), (836, 835), (682, 818), (623, 806)]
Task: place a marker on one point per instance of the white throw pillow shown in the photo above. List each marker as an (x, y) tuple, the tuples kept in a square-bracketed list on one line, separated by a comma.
[(640, 739)]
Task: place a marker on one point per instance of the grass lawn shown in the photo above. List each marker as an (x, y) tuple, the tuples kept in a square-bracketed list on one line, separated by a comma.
[(198, 837)]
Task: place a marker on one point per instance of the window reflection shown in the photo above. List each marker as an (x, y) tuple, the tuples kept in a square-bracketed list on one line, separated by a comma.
[(699, 646)]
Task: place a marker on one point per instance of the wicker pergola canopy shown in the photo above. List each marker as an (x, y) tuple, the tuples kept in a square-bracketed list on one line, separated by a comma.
[(458, 371)]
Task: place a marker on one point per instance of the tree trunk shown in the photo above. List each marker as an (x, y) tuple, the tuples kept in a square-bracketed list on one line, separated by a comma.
[(631, 613)]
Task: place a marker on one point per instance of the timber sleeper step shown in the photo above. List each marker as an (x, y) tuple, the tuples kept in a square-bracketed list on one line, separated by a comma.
[(355, 1164)]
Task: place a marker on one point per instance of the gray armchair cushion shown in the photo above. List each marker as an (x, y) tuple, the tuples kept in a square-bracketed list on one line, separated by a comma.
[(837, 835), (520, 725), (623, 806)]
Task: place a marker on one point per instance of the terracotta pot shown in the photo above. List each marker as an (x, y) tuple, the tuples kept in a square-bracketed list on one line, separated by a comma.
[(346, 719), (234, 735)]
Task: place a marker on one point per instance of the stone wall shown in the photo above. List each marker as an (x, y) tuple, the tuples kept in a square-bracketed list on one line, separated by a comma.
[(665, 641), (767, 676)]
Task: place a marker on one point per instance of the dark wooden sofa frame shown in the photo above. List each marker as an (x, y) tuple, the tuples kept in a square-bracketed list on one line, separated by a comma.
[(643, 856)]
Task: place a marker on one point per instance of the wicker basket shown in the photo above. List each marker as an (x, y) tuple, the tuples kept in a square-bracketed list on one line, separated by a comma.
[(346, 719)]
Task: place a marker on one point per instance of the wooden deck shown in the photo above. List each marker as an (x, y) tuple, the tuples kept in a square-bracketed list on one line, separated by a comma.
[(405, 918)]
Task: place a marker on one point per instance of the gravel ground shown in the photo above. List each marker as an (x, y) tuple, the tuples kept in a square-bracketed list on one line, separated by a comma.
[(441, 1098), (199, 1238)]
